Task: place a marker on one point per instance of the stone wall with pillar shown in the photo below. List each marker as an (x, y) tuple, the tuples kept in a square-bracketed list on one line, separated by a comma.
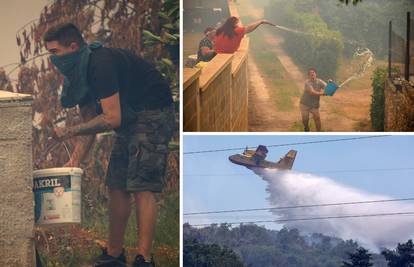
[(399, 107), (16, 196)]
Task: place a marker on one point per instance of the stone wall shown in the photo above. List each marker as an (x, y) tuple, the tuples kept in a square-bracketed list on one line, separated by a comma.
[(240, 92), (16, 197), (191, 99), (399, 107), (216, 97)]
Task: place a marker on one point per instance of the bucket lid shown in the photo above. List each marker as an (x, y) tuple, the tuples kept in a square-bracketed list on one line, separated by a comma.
[(57, 172)]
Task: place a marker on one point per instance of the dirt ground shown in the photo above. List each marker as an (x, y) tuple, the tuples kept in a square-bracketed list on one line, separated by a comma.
[(263, 114), (347, 110)]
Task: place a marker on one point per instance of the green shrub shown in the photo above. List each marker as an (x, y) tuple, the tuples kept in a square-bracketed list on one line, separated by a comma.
[(318, 47), (378, 99)]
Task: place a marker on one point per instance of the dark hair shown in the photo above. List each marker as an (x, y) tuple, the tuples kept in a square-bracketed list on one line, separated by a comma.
[(228, 27), (208, 29), (65, 34), (312, 69)]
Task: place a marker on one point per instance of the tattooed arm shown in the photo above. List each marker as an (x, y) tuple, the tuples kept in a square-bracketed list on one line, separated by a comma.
[(83, 143), (108, 120)]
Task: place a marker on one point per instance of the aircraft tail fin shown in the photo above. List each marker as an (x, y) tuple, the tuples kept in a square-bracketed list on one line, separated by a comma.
[(287, 161)]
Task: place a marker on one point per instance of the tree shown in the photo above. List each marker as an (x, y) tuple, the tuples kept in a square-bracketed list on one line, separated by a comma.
[(377, 111), (5, 83), (260, 247), (402, 256), (320, 47), (209, 255), (354, 2), (359, 258)]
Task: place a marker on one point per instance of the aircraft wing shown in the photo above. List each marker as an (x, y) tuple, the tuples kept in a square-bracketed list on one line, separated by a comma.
[(260, 153)]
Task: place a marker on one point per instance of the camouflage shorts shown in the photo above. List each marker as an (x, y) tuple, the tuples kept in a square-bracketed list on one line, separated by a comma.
[(139, 156)]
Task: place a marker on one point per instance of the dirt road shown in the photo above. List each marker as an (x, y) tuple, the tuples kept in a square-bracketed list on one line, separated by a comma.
[(263, 114), (348, 110)]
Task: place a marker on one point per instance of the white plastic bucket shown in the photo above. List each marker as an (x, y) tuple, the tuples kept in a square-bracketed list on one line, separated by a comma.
[(57, 193)]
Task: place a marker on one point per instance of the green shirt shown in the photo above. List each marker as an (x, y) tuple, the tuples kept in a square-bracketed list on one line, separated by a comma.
[(312, 101)]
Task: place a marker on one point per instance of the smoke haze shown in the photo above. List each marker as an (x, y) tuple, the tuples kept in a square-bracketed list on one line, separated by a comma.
[(294, 188)]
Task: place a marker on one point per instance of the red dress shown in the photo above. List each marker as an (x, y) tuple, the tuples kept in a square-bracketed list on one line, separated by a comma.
[(223, 44)]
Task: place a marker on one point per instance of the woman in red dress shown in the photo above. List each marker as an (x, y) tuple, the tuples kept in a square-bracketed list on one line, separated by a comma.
[(230, 34)]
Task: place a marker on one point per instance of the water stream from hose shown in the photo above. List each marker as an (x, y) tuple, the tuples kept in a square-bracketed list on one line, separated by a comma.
[(363, 58)]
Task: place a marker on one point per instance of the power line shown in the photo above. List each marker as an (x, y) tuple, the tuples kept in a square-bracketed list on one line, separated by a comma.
[(301, 206), (290, 144), (308, 171), (317, 218), (362, 170)]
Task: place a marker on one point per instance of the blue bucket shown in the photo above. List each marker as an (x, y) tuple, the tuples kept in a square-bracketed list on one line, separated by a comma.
[(330, 88)]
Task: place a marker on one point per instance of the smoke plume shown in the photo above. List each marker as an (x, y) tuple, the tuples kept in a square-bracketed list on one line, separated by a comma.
[(294, 188)]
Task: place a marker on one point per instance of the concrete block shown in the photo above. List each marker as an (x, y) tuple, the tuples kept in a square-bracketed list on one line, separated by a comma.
[(16, 197)]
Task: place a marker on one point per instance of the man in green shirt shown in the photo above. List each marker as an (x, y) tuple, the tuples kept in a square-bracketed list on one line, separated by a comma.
[(309, 102)]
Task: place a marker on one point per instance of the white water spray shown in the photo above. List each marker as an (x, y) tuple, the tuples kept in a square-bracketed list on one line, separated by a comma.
[(294, 188), (363, 57)]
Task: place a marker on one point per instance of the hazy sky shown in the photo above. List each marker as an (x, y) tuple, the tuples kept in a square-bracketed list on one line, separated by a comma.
[(212, 182), (13, 15)]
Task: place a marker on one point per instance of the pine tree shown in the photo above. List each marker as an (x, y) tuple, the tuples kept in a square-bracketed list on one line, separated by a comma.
[(209, 255), (360, 258), (402, 256)]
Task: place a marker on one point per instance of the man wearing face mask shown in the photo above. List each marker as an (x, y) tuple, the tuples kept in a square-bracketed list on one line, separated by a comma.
[(116, 90)]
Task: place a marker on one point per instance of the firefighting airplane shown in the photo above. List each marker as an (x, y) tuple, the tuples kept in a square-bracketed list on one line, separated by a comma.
[(256, 159)]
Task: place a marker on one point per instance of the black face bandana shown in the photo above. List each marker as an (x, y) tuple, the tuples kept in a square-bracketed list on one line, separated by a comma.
[(74, 66)]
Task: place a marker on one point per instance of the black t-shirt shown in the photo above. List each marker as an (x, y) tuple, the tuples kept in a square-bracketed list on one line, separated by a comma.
[(140, 85)]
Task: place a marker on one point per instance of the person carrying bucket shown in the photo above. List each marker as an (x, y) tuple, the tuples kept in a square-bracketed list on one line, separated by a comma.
[(117, 90), (309, 102)]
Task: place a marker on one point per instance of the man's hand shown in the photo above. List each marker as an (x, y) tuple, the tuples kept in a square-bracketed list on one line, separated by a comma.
[(83, 143), (61, 133)]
